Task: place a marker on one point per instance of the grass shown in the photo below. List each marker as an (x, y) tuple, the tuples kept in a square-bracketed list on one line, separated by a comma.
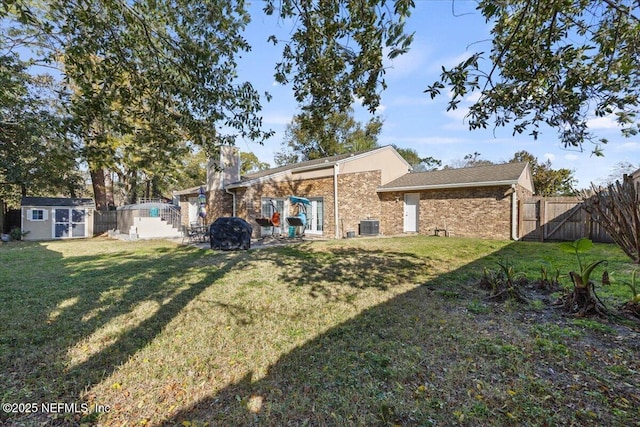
[(355, 332)]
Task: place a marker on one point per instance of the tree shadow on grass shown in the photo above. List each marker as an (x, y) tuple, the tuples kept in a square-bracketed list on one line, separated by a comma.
[(352, 269), (434, 355), (64, 301)]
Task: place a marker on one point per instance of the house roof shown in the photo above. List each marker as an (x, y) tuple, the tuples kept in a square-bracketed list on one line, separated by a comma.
[(321, 163), (192, 190), (57, 201), (477, 176)]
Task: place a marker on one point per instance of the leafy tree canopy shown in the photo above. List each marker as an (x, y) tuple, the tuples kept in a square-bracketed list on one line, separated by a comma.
[(36, 156), (546, 180), (249, 163), (335, 53), (142, 77), (419, 164), (553, 62), (340, 133)]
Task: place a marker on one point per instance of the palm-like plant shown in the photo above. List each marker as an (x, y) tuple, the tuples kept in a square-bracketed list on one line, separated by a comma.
[(583, 300)]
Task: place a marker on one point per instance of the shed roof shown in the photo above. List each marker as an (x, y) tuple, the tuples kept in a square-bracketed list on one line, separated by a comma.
[(477, 176), (57, 201)]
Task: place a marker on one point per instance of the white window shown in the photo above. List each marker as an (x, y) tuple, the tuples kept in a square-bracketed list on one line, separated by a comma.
[(37, 215), (269, 206)]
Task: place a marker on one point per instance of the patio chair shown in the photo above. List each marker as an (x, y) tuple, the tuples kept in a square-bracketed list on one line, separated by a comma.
[(190, 234)]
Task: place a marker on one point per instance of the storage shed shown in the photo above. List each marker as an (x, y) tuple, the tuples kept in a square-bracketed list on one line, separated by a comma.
[(47, 218)]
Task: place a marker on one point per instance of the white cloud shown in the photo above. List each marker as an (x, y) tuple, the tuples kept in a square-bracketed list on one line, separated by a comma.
[(448, 62), (571, 157), (426, 140), (458, 114), (473, 97), (628, 146), (405, 65), (549, 156), (407, 100), (381, 109), (277, 119), (607, 122)]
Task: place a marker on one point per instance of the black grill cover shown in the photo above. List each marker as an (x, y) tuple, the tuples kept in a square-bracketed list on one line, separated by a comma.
[(229, 233)]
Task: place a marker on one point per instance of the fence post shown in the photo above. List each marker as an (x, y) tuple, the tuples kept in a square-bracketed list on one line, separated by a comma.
[(543, 218)]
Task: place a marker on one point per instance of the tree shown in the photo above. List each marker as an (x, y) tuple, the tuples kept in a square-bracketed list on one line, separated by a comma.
[(617, 209), (339, 133), (621, 169), (553, 62), (153, 73), (546, 180), (418, 164), (335, 53), (36, 156), (468, 161), (249, 163)]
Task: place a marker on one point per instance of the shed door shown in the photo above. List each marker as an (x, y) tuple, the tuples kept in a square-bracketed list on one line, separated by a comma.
[(411, 203), (69, 223)]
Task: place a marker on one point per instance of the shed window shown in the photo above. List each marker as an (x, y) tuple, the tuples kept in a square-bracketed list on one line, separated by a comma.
[(37, 215)]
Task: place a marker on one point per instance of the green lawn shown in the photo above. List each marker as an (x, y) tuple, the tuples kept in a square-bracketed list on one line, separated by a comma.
[(362, 332)]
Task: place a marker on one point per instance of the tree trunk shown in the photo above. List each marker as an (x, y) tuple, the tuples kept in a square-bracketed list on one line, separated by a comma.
[(108, 185), (99, 188)]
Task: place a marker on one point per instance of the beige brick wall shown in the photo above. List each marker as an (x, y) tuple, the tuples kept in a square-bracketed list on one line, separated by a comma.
[(249, 200), (219, 204), (357, 199), (471, 212)]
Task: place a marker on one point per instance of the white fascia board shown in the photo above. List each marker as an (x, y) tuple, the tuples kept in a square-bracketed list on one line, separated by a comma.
[(273, 175), (446, 186)]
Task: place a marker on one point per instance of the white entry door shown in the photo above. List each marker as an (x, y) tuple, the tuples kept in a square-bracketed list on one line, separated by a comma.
[(315, 215), (411, 203)]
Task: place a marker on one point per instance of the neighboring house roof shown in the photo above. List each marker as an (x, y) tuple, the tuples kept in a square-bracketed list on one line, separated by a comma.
[(635, 175), (477, 176), (56, 201), (321, 163)]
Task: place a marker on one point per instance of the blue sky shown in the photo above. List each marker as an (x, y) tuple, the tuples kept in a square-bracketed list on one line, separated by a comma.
[(411, 118)]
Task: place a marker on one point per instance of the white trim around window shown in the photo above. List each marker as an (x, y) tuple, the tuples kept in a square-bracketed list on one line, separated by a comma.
[(36, 214)]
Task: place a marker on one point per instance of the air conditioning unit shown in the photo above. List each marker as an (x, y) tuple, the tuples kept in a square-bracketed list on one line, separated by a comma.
[(369, 227)]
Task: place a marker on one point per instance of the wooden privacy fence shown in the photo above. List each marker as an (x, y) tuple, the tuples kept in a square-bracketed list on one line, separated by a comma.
[(104, 221), (557, 219)]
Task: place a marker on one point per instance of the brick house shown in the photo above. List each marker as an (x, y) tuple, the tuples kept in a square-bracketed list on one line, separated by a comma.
[(479, 201), (369, 192), (341, 190)]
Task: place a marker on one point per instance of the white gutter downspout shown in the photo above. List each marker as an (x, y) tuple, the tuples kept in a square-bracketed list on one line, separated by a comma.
[(335, 200), (234, 199), (514, 213)]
